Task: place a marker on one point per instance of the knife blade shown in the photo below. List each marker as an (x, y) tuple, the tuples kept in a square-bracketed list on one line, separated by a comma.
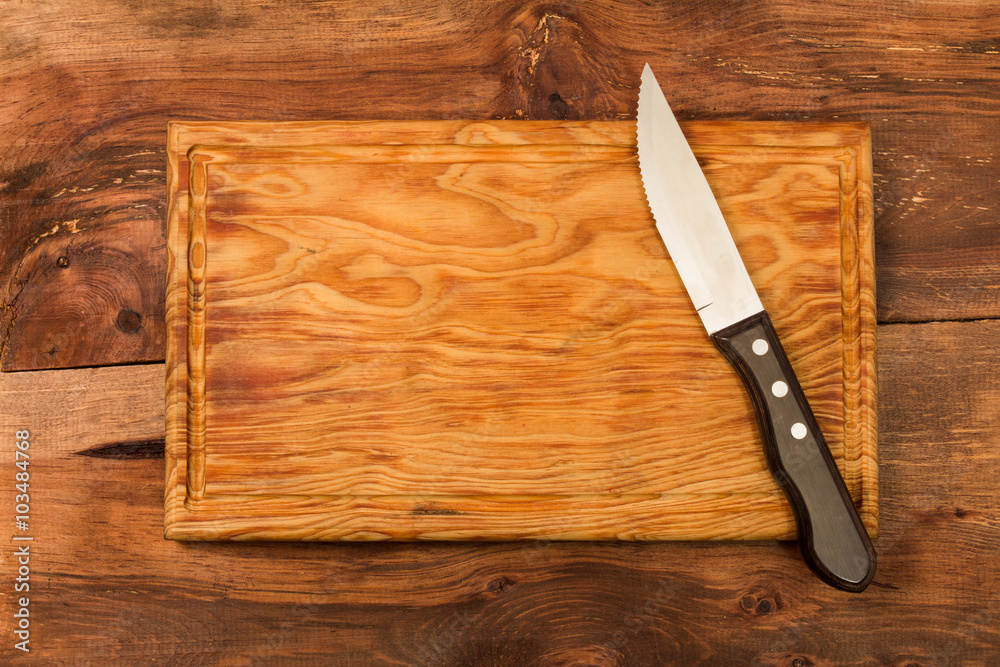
[(831, 536)]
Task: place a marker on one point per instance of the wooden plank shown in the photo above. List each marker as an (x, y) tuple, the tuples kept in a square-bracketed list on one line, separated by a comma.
[(469, 349), (83, 129), (109, 585)]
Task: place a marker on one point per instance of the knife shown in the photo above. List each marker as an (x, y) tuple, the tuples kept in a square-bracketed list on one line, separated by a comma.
[(832, 538)]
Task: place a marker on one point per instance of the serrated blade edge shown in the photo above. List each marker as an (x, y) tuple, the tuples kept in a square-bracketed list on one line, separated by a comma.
[(688, 217)]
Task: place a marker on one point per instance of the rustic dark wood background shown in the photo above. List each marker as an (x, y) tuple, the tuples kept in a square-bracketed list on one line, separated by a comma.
[(87, 90)]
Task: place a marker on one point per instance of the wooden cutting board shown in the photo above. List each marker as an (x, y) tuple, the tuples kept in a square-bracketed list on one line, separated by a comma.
[(472, 330)]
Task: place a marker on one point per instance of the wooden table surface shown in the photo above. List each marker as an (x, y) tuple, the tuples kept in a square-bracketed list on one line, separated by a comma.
[(87, 90)]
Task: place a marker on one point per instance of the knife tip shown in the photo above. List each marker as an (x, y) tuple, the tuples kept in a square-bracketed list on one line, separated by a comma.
[(647, 73)]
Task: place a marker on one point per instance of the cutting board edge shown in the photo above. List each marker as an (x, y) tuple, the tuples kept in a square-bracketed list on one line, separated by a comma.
[(485, 518)]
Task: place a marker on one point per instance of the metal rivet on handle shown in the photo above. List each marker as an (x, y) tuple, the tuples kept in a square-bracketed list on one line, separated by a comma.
[(760, 347), (779, 388), (799, 430)]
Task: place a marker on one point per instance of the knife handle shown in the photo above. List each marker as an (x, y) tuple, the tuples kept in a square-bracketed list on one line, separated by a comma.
[(832, 538)]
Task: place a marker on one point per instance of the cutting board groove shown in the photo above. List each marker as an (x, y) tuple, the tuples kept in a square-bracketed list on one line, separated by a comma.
[(471, 330)]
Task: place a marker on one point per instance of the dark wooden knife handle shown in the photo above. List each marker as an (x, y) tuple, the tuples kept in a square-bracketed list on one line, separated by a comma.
[(832, 538)]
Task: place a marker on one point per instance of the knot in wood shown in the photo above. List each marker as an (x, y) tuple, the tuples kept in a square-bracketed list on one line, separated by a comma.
[(129, 321), (557, 106), (499, 584)]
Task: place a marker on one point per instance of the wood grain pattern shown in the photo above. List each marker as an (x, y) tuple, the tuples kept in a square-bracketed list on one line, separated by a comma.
[(82, 130), (454, 330), (88, 88), (110, 586)]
